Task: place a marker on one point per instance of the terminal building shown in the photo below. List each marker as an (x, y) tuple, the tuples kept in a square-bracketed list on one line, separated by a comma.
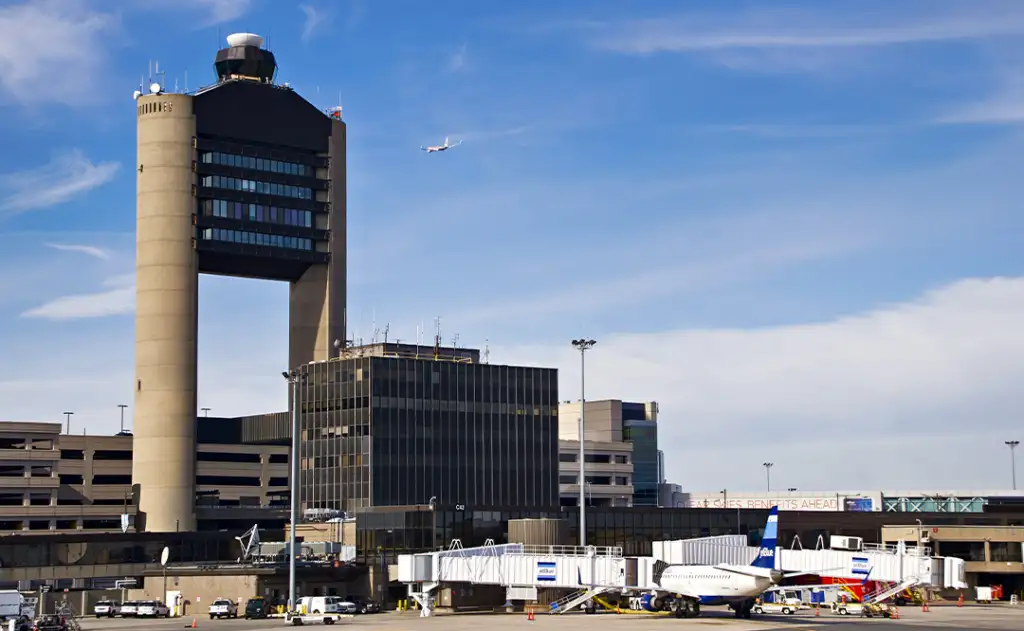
[(52, 482), (623, 464)]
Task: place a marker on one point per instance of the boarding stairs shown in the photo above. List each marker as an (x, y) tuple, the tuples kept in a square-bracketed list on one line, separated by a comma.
[(576, 598), (882, 593), (67, 612)]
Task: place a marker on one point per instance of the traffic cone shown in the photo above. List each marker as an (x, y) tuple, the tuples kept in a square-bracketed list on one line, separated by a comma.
[(924, 606), (960, 601), (193, 623), (817, 611), (529, 613), (895, 613)]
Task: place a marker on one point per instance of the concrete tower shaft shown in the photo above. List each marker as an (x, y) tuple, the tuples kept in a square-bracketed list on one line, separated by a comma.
[(166, 309)]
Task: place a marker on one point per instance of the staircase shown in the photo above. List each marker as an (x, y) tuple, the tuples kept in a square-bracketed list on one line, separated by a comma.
[(67, 612), (575, 599), (885, 592)]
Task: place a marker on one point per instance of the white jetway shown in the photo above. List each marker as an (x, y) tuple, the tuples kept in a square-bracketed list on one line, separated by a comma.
[(517, 566)]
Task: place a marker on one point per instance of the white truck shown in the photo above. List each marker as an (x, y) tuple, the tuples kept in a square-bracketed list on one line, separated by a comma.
[(783, 608), (325, 609), (11, 602), (223, 608)]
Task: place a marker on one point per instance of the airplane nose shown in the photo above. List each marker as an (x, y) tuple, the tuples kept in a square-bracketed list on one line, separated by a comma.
[(776, 576)]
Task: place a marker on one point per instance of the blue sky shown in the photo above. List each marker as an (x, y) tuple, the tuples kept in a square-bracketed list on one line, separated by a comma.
[(796, 227)]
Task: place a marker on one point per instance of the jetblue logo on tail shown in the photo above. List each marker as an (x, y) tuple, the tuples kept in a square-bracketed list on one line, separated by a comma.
[(766, 554)]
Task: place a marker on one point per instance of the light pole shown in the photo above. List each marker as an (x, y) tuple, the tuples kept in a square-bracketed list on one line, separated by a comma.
[(68, 415), (583, 345), (768, 473), (293, 483), (1012, 444), (206, 411), (122, 406), (433, 522)]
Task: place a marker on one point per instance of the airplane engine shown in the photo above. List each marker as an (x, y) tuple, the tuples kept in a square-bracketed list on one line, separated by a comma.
[(652, 603)]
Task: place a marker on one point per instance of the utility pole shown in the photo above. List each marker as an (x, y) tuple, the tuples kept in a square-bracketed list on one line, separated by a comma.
[(68, 415), (583, 345), (122, 406), (1012, 444), (768, 473)]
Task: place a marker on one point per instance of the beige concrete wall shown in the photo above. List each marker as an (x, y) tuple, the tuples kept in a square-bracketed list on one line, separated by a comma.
[(166, 277), (316, 310), (343, 532), (200, 591), (603, 422)]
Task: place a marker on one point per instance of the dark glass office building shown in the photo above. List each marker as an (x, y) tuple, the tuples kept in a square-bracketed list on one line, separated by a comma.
[(398, 424), (642, 432)]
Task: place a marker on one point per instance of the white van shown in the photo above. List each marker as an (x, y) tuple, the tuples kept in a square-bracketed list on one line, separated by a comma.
[(325, 604)]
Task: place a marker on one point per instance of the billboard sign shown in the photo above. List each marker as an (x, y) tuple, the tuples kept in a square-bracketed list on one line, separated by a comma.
[(860, 566), (818, 503), (859, 504)]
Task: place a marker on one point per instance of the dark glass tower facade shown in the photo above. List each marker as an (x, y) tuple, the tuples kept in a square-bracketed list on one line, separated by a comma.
[(397, 425), (642, 431)]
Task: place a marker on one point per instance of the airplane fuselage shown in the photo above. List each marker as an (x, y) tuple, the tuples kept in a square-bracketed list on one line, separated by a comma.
[(713, 586)]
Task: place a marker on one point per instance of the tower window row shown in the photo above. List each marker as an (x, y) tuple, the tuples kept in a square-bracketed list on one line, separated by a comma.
[(256, 186), (256, 238), (257, 212), (259, 164)]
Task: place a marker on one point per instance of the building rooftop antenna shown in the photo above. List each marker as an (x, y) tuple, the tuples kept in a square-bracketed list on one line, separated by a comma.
[(487, 350), (387, 327)]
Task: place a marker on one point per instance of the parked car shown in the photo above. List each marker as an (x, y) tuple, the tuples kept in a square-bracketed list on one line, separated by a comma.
[(129, 608), (50, 623), (223, 608), (152, 609), (106, 609), (364, 604), (257, 607)]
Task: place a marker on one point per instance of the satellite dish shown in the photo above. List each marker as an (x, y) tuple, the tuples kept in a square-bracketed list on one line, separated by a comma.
[(245, 39), (137, 94), (164, 556), (154, 88)]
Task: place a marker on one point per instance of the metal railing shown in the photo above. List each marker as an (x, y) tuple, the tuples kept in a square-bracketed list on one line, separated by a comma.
[(572, 551)]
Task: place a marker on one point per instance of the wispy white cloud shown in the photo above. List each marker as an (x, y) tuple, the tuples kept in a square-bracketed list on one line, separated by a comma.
[(219, 11), (779, 40), (43, 40), (119, 299), (459, 61), (949, 359), (1004, 105), (315, 19), (89, 250), (68, 175)]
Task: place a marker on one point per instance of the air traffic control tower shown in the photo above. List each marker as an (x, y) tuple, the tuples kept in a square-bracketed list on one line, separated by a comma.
[(240, 178)]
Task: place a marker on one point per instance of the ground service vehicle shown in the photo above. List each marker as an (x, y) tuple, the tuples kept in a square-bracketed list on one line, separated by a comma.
[(152, 609), (848, 609), (364, 604), (257, 607), (50, 623), (10, 604), (106, 609), (325, 604), (223, 608), (783, 608)]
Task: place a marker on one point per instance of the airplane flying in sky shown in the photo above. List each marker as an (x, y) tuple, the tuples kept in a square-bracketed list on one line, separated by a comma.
[(443, 147)]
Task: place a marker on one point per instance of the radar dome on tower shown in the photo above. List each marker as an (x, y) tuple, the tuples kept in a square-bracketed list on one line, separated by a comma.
[(245, 39)]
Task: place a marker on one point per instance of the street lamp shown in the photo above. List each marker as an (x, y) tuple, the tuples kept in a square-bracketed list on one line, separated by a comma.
[(1012, 444), (205, 411), (68, 415), (583, 345), (433, 522), (122, 406), (293, 378), (768, 473)]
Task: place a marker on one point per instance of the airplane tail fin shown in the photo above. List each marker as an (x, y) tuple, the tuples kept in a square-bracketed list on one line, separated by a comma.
[(446, 141), (766, 553)]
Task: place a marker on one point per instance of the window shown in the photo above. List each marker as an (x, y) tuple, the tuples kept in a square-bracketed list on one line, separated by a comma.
[(256, 238), (257, 212), (259, 164), (257, 186)]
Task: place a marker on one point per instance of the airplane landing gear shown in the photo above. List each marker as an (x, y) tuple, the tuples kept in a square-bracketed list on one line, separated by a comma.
[(686, 608), (743, 609)]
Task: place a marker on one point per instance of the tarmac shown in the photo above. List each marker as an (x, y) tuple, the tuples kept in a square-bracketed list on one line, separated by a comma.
[(975, 618)]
